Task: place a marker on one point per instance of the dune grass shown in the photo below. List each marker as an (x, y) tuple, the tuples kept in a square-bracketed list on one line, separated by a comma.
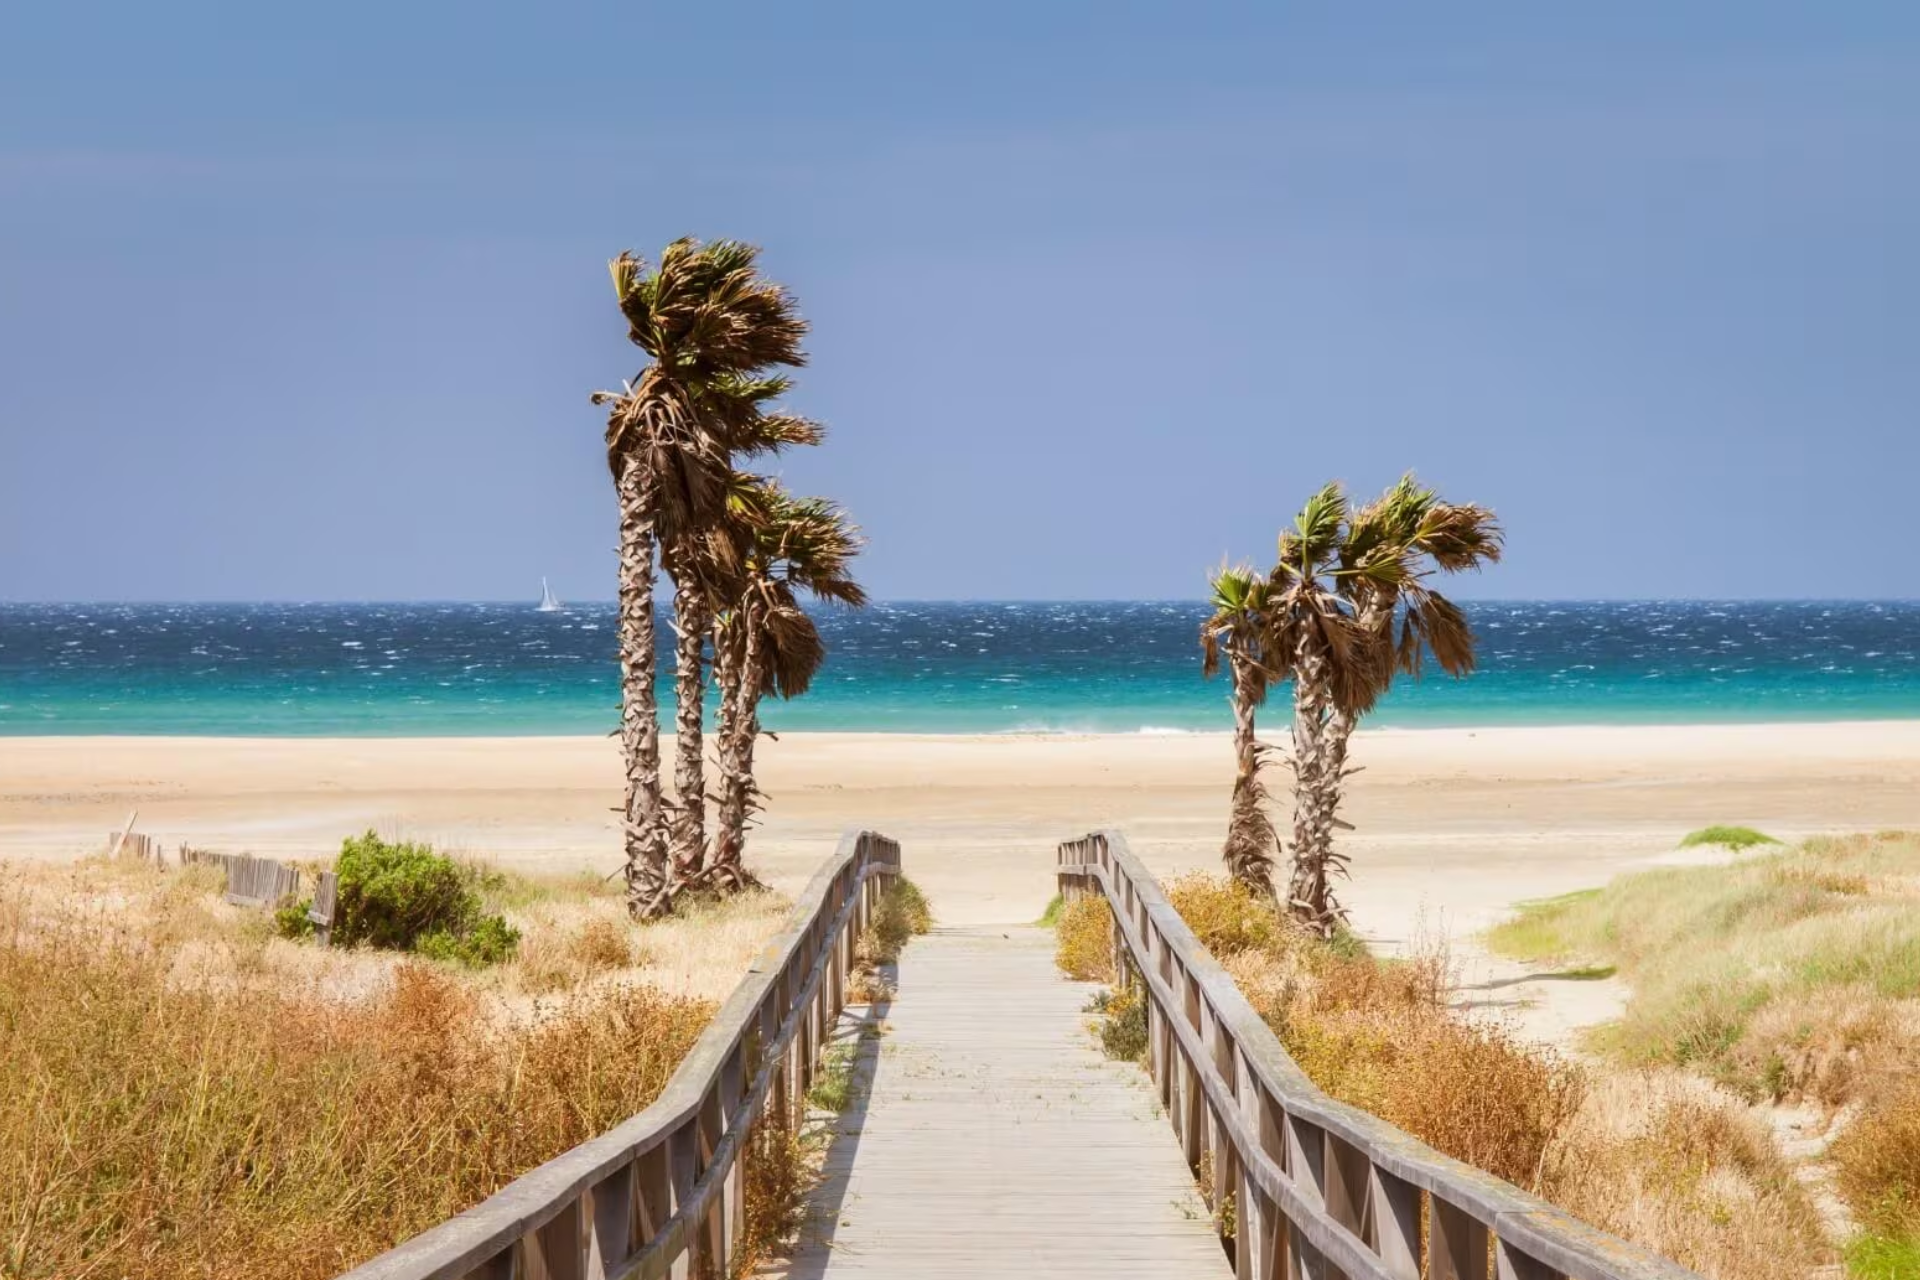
[(1793, 975), (1781, 976), (183, 1093)]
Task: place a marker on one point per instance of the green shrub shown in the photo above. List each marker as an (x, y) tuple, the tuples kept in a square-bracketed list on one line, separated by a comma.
[(403, 896), (390, 894), (291, 920)]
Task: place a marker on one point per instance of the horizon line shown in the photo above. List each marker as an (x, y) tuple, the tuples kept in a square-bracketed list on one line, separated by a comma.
[(663, 601)]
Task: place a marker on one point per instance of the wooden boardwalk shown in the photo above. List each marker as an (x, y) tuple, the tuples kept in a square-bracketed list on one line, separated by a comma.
[(990, 1137)]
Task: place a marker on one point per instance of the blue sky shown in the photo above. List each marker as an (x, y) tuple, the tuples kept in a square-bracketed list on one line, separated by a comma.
[(304, 302)]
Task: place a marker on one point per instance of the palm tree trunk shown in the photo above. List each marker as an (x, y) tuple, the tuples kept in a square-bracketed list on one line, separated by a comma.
[(727, 870), (1250, 832), (691, 618), (1314, 787), (730, 815), (649, 887)]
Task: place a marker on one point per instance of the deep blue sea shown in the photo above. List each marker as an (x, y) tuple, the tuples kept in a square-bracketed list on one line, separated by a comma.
[(434, 669)]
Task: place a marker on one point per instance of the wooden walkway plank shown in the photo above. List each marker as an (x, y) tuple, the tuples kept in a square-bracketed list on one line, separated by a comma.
[(989, 1136)]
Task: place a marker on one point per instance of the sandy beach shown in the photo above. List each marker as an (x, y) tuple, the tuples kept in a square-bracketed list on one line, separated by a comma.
[(1453, 825)]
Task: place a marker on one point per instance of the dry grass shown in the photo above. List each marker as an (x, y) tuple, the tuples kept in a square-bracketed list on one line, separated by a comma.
[(184, 1094), (1666, 1160), (1877, 1168), (780, 1173), (902, 913), (1083, 944), (1786, 976), (1660, 1159), (1377, 1034), (572, 943)]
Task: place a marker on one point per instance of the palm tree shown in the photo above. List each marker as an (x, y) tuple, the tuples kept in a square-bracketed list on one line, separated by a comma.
[(711, 326), (765, 643), (704, 565), (1392, 545), (1343, 578), (1236, 630)]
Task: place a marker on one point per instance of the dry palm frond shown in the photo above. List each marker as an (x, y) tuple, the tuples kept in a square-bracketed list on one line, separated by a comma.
[(1251, 839)]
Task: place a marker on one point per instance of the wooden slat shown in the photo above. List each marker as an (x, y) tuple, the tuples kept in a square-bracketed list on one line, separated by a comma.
[(993, 1138)]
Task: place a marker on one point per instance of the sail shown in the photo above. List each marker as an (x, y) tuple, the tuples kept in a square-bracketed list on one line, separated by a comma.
[(548, 602)]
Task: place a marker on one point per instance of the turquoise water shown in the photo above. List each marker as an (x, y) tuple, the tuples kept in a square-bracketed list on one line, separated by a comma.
[(433, 669)]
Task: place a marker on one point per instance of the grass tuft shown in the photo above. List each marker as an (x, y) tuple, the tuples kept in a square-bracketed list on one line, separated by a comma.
[(1083, 943), (1122, 1025), (1734, 838), (1876, 1257)]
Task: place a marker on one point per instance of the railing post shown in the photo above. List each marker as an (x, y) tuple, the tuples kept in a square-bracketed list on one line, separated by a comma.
[(1456, 1243), (1510, 1263), (611, 1214), (559, 1249), (1396, 1224), (1256, 1254)]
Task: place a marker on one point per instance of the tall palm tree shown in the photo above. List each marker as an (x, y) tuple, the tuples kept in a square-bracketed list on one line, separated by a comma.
[(1313, 640), (765, 643), (1344, 576), (1236, 631), (711, 326)]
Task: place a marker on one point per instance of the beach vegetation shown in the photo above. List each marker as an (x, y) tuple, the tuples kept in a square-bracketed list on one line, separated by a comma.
[(1735, 838), (403, 896), (1791, 976), (900, 914), (1378, 1033), (1083, 939), (1121, 1023), (181, 1095), (1785, 976), (1349, 607)]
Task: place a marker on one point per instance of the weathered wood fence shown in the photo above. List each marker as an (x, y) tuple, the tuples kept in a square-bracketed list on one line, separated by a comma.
[(262, 882), (251, 881), (1319, 1189), (662, 1194)]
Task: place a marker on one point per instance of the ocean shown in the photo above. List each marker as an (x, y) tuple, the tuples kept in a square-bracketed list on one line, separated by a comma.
[(1126, 667)]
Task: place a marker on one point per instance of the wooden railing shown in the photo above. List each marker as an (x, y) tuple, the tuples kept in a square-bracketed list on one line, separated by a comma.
[(1318, 1189), (662, 1194)]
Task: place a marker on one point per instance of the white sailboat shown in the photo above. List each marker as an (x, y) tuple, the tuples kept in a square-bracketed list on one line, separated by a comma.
[(548, 602)]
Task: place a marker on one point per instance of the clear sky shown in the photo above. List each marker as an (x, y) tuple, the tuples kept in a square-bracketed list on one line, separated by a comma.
[(305, 301)]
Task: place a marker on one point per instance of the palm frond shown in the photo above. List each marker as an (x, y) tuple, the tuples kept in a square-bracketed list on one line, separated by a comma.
[(1316, 530)]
